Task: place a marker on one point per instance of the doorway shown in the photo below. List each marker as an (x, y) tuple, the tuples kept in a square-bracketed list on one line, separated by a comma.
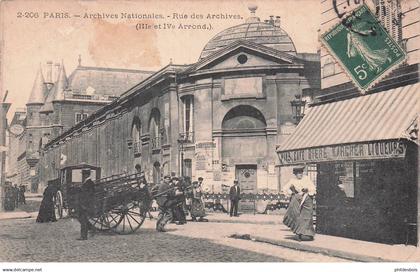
[(247, 177)]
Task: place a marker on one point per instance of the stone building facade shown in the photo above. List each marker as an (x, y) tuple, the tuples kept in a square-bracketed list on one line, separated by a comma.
[(56, 104), (219, 118)]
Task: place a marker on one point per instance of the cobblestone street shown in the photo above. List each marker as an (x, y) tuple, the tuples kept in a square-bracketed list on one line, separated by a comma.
[(23, 240)]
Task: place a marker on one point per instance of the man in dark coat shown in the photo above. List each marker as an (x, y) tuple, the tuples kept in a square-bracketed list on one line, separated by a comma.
[(46, 210), (234, 196), (22, 191), (178, 209), (85, 206), (166, 199)]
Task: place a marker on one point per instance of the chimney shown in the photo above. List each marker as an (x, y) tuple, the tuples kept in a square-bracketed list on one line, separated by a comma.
[(277, 22), (56, 71), (271, 21), (49, 72)]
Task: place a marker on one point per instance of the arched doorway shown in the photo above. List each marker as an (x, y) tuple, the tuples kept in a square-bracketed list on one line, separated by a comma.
[(244, 146)]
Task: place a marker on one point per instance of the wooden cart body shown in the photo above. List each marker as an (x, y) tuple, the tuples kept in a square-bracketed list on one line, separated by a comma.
[(119, 202)]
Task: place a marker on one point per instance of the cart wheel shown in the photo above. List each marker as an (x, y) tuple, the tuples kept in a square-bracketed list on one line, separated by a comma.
[(100, 223), (58, 205), (127, 218)]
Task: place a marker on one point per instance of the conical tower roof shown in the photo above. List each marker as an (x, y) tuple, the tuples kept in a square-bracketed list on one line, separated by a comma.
[(57, 91), (39, 90)]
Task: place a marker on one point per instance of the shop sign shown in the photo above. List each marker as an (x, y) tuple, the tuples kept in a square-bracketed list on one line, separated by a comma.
[(356, 151)]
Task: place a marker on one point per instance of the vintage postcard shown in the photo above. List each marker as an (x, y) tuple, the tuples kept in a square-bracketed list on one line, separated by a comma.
[(209, 131)]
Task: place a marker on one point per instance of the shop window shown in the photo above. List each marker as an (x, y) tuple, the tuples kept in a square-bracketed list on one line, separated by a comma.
[(345, 175), (188, 118), (79, 117), (389, 13)]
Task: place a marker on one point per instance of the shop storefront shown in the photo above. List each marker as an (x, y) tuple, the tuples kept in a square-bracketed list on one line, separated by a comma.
[(366, 152)]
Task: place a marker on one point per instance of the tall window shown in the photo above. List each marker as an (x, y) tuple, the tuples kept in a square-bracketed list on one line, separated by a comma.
[(188, 117), (187, 168), (389, 13), (135, 135), (154, 129)]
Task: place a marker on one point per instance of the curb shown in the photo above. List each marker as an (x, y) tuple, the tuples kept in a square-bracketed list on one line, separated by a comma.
[(22, 216), (211, 220), (310, 248)]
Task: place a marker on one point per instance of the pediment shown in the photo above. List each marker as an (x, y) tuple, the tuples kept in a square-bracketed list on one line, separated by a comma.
[(245, 55)]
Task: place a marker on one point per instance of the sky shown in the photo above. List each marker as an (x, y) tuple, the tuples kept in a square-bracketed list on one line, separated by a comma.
[(115, 42)]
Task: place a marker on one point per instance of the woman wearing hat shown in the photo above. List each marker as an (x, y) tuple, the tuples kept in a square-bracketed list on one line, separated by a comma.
[(299, 214), (197, 205), (46, 210)]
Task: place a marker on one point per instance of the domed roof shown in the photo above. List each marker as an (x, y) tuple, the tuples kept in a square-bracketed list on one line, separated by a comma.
[(268, 34)]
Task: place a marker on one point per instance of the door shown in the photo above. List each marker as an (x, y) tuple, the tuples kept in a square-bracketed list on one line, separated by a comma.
[(247, 177)]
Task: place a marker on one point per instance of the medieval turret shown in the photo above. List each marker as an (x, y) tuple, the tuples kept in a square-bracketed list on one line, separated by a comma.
[(57, 91)]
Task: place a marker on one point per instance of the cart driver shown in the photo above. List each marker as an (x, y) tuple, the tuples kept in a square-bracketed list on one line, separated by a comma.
[(166, 200), (86, 204)]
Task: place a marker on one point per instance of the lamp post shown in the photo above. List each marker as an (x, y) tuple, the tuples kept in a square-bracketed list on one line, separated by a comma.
[(298, 108), (181, 141)]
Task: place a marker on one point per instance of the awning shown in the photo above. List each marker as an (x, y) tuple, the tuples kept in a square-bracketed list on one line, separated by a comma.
[(365, 127)]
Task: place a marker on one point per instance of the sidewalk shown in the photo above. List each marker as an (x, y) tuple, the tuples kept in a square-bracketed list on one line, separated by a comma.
[(16, 215), (351, 249)]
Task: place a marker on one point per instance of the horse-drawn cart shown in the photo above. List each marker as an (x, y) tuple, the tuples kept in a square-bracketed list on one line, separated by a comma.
[(119, 202)]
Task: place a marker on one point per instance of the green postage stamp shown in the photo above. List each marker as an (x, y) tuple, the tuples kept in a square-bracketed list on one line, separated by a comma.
[(363, 47)]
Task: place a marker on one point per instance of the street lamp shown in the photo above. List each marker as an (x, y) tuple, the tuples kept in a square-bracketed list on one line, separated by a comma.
[(183, 138), (298, 108)]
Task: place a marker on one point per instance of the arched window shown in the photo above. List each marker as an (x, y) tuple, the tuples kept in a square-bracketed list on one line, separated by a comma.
[(244, 133), (135, 135), (188, 118), (154, 129), (243, 118)]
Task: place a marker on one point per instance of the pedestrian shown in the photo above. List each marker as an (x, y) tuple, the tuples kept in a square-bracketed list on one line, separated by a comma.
[(147, 199), (86, 204), (22, 191), (234, 196), (165, 199), (178, 209), (197, 203), (299, 214), (46, 210), (9, 204)]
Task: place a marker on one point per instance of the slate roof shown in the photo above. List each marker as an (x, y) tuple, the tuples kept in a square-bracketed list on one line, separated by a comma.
[(105, 81), (254, 31), (39, 89)]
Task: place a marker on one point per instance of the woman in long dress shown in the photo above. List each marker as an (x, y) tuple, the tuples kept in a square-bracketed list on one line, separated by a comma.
[(197, 205), (46, 210), (299, 214)]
